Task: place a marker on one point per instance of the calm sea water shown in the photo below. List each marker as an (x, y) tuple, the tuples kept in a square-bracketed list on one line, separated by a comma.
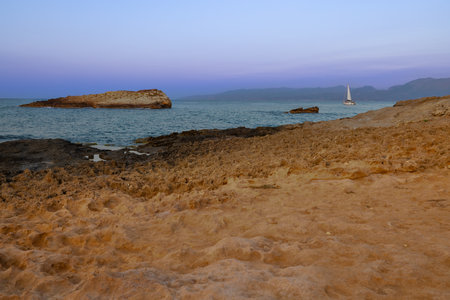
[(122, 126)]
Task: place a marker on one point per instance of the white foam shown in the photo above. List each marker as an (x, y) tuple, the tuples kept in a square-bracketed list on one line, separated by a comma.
[(97, 158), (138, 153), (105, 147)]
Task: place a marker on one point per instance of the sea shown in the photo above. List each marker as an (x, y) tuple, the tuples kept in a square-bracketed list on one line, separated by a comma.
[(121, 127)]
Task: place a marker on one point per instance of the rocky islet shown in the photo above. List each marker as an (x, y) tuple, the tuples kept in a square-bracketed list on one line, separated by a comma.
[(153, 98)]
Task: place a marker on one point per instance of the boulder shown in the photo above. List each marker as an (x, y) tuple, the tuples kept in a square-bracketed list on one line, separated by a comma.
[(118, 99), (302, 110)]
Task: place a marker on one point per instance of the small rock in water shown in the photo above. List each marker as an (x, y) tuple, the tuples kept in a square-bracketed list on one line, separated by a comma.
[(302, 110)]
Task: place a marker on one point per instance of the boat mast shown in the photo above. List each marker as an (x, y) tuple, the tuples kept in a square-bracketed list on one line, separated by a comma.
[(349, 96)]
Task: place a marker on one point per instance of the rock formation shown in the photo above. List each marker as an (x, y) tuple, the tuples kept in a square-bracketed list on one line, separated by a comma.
[(302, 110), (119, 99)]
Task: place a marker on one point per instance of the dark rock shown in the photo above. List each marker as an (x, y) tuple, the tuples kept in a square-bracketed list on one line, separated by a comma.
[(205, 134), (301, 110), (16, 156)]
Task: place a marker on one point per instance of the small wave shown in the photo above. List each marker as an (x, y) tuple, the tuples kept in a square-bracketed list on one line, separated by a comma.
[(11, 137)]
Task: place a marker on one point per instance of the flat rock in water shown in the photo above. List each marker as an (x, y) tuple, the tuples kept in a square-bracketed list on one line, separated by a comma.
[(119, 99), (206, 134), (302, 110)]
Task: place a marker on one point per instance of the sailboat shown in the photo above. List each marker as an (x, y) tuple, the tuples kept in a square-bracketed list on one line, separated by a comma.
[(349, 100)]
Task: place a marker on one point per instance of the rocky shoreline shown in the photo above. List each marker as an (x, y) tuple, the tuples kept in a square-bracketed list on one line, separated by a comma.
[(16, 156), (40, 154), (350, 208)]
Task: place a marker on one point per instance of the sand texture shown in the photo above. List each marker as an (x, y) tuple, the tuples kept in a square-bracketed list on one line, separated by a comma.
[(118, 99), (354, 208)]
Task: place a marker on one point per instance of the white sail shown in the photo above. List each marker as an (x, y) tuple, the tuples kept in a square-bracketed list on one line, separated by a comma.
[(348, 100)]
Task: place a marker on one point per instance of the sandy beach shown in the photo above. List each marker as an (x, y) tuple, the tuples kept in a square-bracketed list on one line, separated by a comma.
[(351, 208)]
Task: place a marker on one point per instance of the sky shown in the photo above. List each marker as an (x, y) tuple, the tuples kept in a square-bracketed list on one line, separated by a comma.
[(53, 48)]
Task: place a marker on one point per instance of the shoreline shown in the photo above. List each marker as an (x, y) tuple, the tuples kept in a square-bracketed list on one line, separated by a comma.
[(140, 128), (33, 154), (349, 208), (41, 154)]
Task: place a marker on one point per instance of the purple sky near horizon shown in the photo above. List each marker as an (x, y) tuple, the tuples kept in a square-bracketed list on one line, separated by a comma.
[(53, 48)]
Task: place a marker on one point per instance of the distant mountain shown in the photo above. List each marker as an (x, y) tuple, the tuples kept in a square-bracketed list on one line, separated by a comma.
[(414, 89), (421, 88)]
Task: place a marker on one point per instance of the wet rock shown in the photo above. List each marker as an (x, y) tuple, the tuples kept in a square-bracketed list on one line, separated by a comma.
[(205, 134), (17, 156)]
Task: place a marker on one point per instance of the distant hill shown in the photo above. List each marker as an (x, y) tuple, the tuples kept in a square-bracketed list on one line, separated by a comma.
[(424, 87)]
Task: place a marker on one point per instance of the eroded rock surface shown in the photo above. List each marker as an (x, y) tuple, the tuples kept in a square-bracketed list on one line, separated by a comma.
[(120, 99), (349, 209)]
